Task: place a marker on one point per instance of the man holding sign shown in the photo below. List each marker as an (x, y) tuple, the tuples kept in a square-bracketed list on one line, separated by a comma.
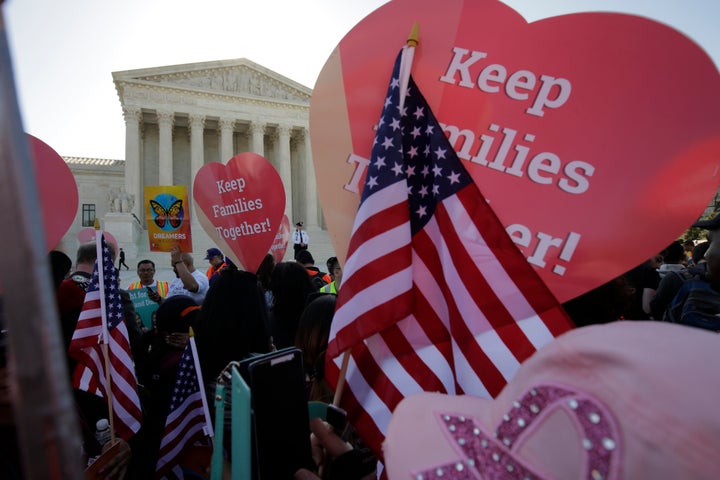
[(147, 293)]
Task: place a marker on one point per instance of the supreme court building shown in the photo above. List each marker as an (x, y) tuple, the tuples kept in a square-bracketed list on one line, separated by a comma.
[(180, 117)]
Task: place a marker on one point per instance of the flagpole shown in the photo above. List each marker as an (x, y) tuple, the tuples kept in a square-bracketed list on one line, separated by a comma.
[(104, 331), (196, 361), (341, 378), (405, 67), (46, 423), (406, 62)]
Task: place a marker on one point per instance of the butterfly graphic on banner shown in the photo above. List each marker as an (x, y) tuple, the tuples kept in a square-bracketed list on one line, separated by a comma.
[(170, 218)]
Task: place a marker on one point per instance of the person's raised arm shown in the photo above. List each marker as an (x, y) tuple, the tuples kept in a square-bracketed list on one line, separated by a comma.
[(182, 263)]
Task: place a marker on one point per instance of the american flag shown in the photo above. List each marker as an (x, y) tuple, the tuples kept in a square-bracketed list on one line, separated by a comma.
[(103, 306), (185, 422), (435, 294)]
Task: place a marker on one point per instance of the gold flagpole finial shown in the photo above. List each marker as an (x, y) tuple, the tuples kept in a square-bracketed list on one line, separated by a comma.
[(414, 37), (97, 224), (191, 331)]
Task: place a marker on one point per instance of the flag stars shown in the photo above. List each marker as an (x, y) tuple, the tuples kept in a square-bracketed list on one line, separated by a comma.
[(395, 124), (437, 171), (380, 162), (410, 170), (454, 178), (416, 132), (440, 153), (423, 191), (419, 113), (425, 171), (436, 189), (413, 152), (421, 212), (395, 83), (372, 182), (403, 111), (397, 169), (388, 101), (387, 143), (430, 130)]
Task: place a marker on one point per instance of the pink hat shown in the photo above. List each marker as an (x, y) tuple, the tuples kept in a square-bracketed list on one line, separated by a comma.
[(630, 400)]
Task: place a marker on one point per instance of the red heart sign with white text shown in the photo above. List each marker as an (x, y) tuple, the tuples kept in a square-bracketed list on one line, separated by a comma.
[(57, 190), (240, 206), (280, 243), (595, 136)]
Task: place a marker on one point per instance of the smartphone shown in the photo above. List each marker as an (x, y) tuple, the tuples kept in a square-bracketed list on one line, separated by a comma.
[(280, 414)]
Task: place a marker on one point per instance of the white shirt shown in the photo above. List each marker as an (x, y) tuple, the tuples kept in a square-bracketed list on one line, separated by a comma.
[(177, 287), (300, 236)]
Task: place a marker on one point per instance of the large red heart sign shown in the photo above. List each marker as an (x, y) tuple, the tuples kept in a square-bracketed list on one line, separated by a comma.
[(595, 137), (57, 189), (240, 206)]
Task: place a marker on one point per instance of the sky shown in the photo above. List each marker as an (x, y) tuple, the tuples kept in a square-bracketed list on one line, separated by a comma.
[(64, 52)]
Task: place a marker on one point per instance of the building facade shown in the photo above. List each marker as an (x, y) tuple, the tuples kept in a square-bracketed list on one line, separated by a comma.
[(178, 118)]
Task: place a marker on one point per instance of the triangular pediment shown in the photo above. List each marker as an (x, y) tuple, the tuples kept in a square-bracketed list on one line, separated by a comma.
[(229, 77)]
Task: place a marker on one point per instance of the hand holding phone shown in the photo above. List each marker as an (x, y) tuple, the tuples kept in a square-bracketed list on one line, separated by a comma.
[(152, 294)]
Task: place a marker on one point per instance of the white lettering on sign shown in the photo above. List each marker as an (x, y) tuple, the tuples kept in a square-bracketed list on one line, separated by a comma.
[(552, 92), (227, 186)]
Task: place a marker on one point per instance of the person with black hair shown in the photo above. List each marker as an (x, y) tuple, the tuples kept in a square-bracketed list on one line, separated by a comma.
[(290, 286)]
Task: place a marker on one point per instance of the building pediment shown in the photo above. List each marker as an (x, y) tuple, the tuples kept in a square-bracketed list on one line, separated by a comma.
[(229, 77)]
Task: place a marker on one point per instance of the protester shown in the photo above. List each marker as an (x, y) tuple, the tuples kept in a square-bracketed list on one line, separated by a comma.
[(232, 323), (264, 272), (174, 318), (290, 286), (319, 278), (336, 273), (189, 281), (217, 262), (157, 289)]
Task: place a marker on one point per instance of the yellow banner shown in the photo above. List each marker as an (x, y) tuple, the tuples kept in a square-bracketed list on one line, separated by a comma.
[(167, 212)]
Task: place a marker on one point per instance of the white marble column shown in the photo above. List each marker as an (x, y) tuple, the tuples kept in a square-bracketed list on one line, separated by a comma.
[(165, 154), (283, 161), (257, 138), (226, 127), (133, 177), (197, 157), (311, 201)]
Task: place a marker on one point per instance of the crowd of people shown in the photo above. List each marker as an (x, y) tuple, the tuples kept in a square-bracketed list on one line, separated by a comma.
[(237, 314)]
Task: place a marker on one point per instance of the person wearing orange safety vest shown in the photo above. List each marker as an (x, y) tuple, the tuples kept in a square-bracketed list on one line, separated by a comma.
[(146, 272), (217, 262)]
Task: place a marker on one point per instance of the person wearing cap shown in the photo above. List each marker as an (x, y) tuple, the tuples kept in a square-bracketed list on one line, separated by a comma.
[(300, 239), (217, 262)]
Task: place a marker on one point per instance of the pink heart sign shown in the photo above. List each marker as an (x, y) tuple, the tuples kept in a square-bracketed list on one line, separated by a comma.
[(594, 136), (280, 243), (88, 234), (57, 189), (240, 206)]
